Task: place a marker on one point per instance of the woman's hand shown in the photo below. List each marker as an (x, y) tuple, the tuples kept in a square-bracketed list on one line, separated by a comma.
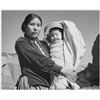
[(69, 73)]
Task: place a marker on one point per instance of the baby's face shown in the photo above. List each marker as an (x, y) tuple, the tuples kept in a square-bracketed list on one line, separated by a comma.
[(55, 36)]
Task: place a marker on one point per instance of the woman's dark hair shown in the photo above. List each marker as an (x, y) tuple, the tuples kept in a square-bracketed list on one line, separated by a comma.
[(53, 29), (27, 19)]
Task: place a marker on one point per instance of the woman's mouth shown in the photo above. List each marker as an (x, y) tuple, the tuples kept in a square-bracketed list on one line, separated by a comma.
[(34, 33)]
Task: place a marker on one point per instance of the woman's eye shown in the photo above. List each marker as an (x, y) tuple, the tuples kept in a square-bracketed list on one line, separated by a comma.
[(38, 25), (32, 24), (52, 36)]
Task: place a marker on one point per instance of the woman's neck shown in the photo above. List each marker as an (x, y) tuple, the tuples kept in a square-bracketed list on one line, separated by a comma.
[(30, 38)]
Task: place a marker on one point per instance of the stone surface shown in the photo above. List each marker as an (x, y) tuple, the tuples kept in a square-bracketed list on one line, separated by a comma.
[(90, 76), (10, 71)]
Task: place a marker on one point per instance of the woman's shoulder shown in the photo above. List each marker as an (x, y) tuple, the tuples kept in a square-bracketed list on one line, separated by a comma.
[(21, 39)]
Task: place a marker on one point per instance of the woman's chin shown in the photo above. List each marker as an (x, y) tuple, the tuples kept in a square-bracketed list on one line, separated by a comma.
[(35, 36)]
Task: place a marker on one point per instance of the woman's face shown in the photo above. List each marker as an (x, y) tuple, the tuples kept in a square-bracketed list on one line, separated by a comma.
[(33, 28), (55, 36)]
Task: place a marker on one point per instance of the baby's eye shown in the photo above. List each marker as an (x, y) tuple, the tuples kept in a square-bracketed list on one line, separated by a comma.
[(51, 36)]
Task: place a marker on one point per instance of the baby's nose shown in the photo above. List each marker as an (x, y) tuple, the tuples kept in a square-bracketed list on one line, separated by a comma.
[(55, 36)]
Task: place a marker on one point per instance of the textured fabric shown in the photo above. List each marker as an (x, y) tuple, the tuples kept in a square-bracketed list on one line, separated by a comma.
[(67, 53), (75, 42), (44, 52), (74, 45), (56, 53), (24, 85), (61, 82), (39, 88), (33, 63)]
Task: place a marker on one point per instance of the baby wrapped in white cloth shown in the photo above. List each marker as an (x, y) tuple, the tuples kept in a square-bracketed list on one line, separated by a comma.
[(65, 50)]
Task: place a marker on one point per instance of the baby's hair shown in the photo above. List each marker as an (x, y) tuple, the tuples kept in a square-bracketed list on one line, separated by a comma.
[(53, 29)]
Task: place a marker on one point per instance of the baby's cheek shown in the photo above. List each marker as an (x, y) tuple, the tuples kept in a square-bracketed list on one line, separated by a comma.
[(52, 39)]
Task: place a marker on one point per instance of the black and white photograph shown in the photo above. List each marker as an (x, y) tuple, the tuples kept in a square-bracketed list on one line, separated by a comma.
[(50, 49)]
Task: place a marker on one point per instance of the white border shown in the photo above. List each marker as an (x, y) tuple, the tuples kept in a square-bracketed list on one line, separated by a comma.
[(49, 5)]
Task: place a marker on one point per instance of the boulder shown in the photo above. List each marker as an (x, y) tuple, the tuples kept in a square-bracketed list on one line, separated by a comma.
[(10, 71), (89, 77)]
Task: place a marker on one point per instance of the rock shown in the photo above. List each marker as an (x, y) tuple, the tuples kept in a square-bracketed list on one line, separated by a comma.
[(10, 71), (90, 75), (7, 81)]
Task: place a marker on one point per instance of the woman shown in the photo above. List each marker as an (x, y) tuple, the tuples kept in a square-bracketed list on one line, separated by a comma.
[(34, 58)]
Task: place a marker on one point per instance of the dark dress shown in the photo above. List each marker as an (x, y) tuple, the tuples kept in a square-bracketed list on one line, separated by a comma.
[(34, 64)]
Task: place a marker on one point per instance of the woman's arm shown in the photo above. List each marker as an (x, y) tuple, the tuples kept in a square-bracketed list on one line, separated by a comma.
[(31, 55)]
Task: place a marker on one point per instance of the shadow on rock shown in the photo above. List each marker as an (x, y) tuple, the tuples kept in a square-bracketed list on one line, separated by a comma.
[(90, 76)]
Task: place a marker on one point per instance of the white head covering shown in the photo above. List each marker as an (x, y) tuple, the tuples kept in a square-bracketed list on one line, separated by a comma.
[(74, 45)]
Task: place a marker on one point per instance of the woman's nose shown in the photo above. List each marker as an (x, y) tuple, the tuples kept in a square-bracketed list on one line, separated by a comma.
[(35, 28)]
